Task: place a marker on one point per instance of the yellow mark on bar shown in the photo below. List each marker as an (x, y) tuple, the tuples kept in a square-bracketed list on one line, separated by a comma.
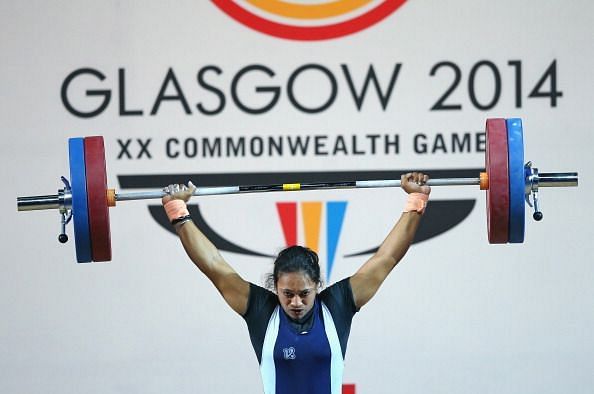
[(291, 186)]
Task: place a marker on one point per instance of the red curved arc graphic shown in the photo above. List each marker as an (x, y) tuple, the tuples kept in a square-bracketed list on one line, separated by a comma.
[(312, 33)]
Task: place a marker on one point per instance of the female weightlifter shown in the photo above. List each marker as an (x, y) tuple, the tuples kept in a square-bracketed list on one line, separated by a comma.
[(298, 332)]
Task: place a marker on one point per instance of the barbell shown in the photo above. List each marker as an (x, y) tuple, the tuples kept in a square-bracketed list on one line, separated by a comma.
[(508, 181)]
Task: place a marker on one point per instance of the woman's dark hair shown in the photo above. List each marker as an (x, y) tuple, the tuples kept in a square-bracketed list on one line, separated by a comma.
[(295, 259)]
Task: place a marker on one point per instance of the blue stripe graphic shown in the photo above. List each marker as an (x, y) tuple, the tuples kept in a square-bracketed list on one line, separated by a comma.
[(335, 211)]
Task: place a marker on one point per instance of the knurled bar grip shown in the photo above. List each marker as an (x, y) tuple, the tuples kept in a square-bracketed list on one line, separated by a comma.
[(219, 190)]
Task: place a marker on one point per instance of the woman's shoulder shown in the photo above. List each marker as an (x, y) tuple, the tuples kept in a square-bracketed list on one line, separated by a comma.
[(260, 301)]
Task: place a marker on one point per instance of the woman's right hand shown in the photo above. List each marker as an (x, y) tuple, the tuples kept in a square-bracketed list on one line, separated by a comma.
[(415, 182)]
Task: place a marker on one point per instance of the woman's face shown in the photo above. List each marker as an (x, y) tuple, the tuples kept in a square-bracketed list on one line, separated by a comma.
[(296, 293)]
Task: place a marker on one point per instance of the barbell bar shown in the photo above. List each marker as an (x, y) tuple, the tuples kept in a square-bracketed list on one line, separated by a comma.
[(63, 200), (509, 183)]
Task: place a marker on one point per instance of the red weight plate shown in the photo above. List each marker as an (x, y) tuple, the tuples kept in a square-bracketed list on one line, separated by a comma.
[(97, 198), (496, 157)]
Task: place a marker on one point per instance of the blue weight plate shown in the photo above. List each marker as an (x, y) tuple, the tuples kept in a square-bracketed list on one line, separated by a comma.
[(80, 212), (517, 181)]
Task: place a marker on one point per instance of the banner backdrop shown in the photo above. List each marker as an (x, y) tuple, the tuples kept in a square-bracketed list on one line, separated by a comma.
[(247, 92)]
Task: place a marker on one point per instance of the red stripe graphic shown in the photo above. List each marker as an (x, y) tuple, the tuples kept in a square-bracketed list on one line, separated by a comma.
[(305, 33), (287, 211), (348, 389)]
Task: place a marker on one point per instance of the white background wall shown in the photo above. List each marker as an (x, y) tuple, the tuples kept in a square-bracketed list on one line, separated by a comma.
[(457, 316)]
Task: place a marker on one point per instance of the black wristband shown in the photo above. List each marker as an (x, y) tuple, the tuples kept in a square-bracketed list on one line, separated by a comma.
[(181, 219)]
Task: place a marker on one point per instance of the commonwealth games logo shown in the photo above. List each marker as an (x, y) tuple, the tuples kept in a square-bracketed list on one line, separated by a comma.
[(311, 212), (308, 20)]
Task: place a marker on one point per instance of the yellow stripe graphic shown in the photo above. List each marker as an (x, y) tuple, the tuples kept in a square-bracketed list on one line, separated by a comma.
[(308, 11), (312, 215)]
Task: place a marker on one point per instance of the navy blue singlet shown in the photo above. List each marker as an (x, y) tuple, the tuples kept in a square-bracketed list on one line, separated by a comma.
[(296, 363)]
